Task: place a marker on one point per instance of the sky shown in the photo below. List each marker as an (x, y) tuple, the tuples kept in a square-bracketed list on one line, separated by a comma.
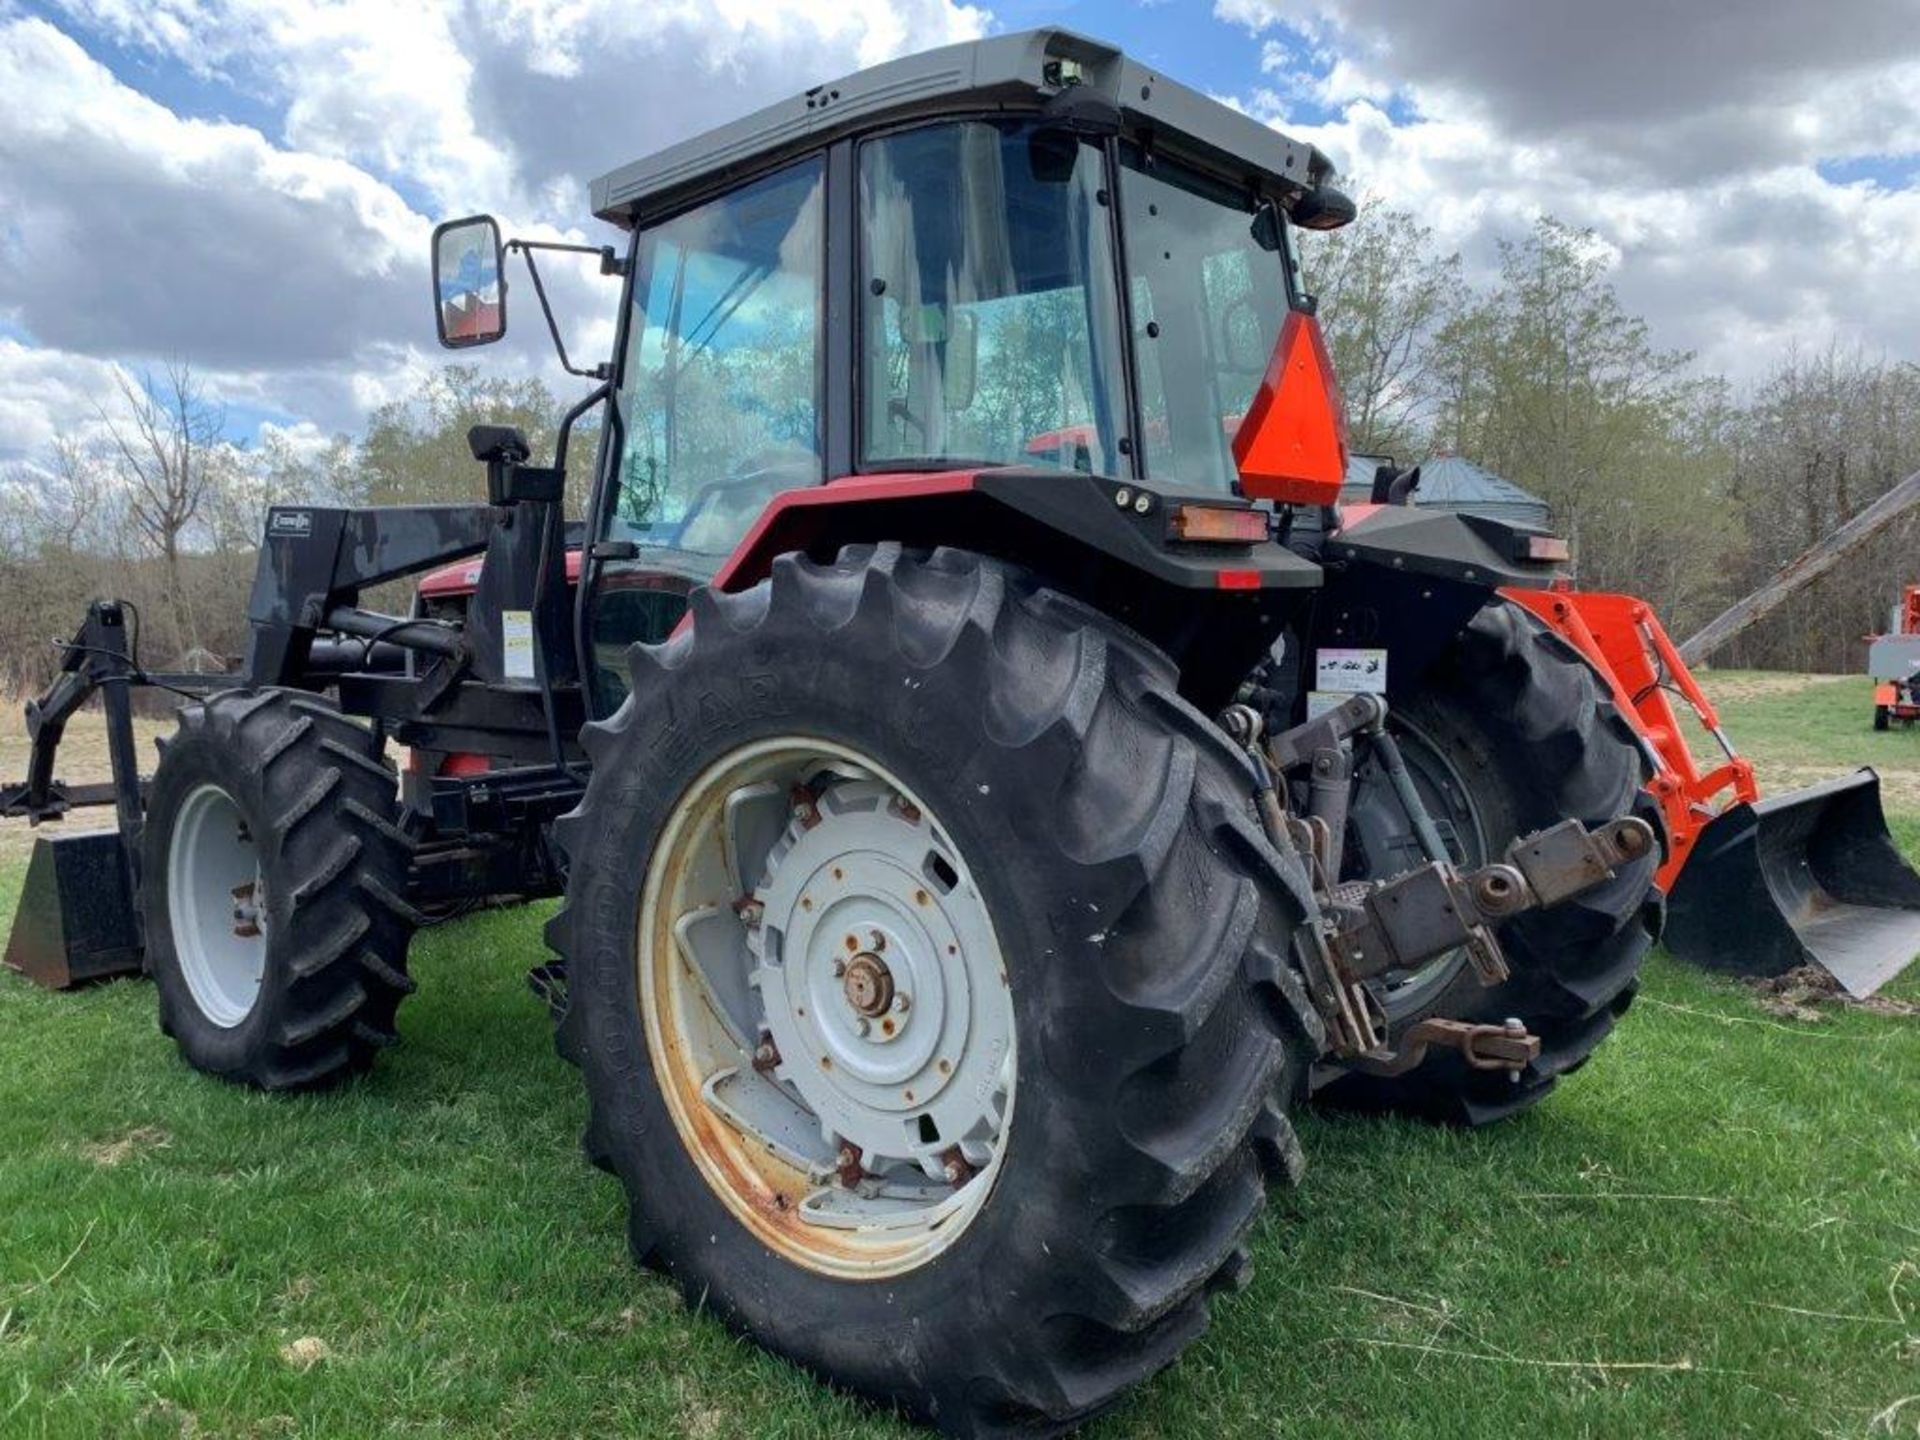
[(250, 184)]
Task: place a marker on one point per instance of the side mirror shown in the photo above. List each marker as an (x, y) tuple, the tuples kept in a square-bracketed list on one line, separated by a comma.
[(469, 293), (1324, 208)]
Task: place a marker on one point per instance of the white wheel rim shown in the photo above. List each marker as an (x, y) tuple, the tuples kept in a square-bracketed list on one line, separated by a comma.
[(217, 903), (806, 911)]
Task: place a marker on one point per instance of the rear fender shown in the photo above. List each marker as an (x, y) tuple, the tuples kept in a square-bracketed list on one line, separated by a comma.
[(1215, 608), (1402, 582)]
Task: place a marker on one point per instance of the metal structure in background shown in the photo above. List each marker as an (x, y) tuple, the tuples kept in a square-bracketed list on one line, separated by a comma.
[(1893, 662)]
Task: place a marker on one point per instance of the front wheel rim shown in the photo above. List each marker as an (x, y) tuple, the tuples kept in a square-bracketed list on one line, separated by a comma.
[(217, 906), (827, 1008)]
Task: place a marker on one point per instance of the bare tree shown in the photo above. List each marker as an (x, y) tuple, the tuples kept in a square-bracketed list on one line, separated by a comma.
[(165, 447)]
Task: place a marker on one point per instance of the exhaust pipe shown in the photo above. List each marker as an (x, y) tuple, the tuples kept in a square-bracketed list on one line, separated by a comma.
[(1808, 877)]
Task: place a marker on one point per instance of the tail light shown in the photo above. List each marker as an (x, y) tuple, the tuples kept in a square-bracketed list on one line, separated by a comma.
[(1292, 445), (1216, 524)]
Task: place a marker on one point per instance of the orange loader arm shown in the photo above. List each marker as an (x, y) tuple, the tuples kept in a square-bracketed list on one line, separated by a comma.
[(1629, 648)]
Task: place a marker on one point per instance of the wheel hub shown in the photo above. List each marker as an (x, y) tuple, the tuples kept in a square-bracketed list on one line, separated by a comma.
[(869, 984), (865, 976)]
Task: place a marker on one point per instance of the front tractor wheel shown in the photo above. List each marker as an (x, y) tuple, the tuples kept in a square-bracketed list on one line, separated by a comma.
[(931, 982), (272, 875)]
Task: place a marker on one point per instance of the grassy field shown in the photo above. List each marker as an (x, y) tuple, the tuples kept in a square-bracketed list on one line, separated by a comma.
[(1713, 1230)]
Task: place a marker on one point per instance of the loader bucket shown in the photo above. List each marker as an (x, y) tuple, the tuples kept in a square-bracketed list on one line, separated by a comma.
[(1810, 876), (75, 921)]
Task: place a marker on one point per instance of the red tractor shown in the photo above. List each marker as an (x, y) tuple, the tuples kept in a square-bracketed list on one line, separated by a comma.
[(989, 785)]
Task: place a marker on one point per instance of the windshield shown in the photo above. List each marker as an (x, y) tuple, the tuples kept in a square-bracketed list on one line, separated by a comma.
[(1207, 277), (990, 318)]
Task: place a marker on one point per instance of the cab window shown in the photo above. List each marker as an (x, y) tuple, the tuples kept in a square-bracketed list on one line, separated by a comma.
[(720, 393)]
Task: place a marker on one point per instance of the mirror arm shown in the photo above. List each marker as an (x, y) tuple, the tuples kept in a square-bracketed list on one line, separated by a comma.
[(552, 533), (602, 371)]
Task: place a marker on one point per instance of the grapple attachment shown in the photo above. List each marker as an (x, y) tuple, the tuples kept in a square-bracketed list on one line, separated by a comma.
[(1810, 876)]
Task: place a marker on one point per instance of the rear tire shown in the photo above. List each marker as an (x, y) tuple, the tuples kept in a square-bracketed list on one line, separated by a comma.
[(275, 791), (1145, 929), (1882, 717), (1517, 718)]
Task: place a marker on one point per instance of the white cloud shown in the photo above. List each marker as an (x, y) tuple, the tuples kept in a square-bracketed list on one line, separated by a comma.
[(45, 394), (288, 261), (131, 231), (1688, 141)]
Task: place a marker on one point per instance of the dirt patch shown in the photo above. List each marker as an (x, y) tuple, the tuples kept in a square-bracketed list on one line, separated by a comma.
[(109, 1153), (306, 1352), (1736, 685), (1807, 993), (165, 1415)]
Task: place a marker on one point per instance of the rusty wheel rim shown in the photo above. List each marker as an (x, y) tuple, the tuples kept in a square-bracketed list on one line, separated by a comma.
[(827, 1008)]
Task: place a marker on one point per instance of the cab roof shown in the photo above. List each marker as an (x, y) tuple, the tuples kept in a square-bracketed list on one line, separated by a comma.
[(1015, 74)]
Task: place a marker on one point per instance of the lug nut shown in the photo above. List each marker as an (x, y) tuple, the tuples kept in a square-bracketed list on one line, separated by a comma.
[(902, 1002), (839, 967), (876, 941), (861, 1027)]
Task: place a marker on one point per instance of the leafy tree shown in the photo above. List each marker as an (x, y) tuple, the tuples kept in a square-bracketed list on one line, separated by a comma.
[(415, 450), (1385, 293)]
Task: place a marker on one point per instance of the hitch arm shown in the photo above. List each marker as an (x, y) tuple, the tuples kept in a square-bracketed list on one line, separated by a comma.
[(1507, 1047), (97, 658)]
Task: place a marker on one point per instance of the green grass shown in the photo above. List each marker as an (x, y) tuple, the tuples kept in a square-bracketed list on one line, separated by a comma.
[(1718, 1193)]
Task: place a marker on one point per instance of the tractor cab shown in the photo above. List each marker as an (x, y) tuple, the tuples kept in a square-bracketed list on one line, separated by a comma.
[(1028, 254)]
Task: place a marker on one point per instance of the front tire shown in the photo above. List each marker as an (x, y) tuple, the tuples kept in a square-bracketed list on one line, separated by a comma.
[(1509, 734), (1041, 758), (273, 873)]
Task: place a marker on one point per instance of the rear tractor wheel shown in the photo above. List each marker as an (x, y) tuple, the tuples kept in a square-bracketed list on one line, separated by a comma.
[(930, 981), (272, 875), (1511, 734)]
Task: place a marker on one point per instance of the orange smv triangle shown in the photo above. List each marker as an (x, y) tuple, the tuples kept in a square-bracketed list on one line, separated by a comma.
[(1292, 445)]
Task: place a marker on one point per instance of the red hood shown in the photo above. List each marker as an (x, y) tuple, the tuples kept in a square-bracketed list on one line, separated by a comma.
[(462, 577)]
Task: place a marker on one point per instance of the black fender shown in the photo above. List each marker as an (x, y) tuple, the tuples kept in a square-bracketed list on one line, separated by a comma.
[(1403, 581), (1215, 608)]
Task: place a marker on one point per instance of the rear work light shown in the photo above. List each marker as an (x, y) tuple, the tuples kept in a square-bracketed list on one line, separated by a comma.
[(1215, 524), (1292, 445), (1548, 548)]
